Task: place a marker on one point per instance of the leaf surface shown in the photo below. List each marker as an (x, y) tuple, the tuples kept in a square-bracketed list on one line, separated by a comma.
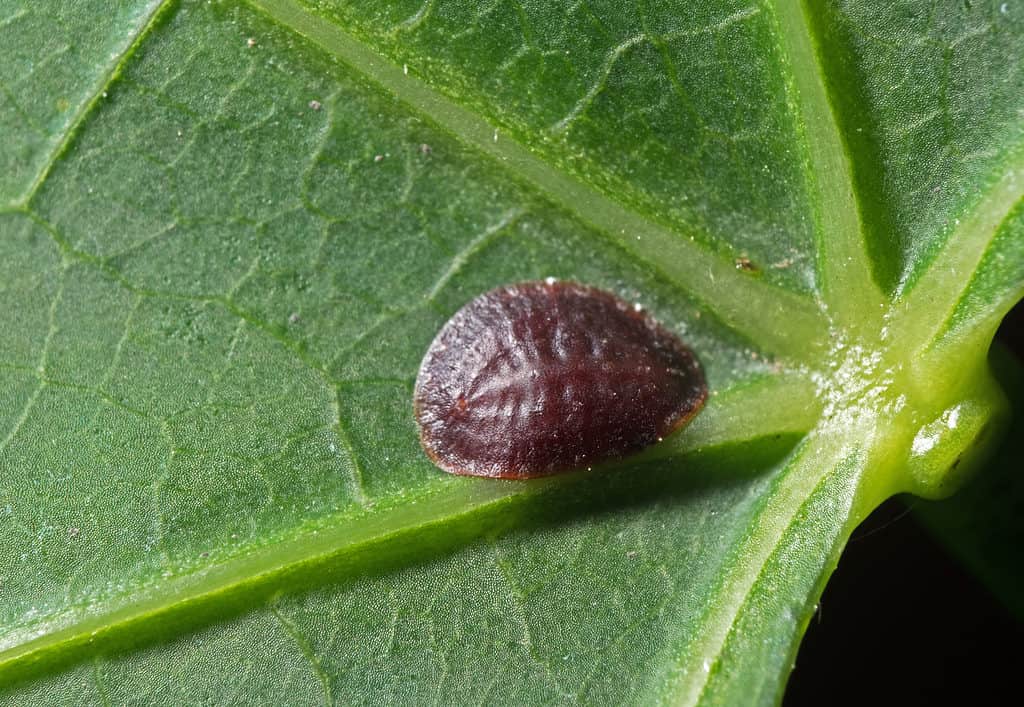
[(230, 244)]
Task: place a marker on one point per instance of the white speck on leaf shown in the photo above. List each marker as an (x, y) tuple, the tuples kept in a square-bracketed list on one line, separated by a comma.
[(931, 434), (923, 443)]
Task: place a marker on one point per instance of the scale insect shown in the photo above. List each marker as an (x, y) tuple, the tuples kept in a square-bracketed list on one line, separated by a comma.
[(539, 378)]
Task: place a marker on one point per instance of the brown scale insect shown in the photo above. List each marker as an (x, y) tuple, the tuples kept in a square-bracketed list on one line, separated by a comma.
[(540, 378)]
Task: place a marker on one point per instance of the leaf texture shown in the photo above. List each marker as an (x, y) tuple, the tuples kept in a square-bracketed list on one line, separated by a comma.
[(231, 229)]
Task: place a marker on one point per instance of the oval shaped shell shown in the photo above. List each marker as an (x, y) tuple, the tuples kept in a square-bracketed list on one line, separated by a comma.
[(543, 377)]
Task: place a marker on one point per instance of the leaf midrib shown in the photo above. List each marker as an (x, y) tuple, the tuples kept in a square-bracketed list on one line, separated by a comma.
[(462, 502), (921, 314), (844, 273), (742, 301), (804, 475)]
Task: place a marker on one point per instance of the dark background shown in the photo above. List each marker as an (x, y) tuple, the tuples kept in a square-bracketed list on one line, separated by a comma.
[(902, 622)]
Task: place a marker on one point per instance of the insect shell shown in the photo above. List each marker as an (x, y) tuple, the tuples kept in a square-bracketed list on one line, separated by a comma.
[(539, 378)]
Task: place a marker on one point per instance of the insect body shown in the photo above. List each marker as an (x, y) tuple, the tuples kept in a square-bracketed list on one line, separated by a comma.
[(539, 378)]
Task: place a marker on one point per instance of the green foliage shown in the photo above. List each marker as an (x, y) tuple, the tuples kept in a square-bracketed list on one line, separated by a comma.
[(228, 232)]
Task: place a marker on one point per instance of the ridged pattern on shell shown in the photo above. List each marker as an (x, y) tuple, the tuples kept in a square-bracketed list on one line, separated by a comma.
[(543, 377)]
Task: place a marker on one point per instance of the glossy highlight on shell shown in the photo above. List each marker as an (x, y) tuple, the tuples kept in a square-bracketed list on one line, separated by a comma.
[(539, 378)]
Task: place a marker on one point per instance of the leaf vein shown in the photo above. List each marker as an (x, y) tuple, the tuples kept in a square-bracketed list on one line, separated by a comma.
[(86, 108), (30, 402), (843, 266), (306, 648), (742, 302), (478, 243)]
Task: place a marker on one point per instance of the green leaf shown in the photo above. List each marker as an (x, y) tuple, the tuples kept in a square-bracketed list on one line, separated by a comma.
[(229, 230)]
